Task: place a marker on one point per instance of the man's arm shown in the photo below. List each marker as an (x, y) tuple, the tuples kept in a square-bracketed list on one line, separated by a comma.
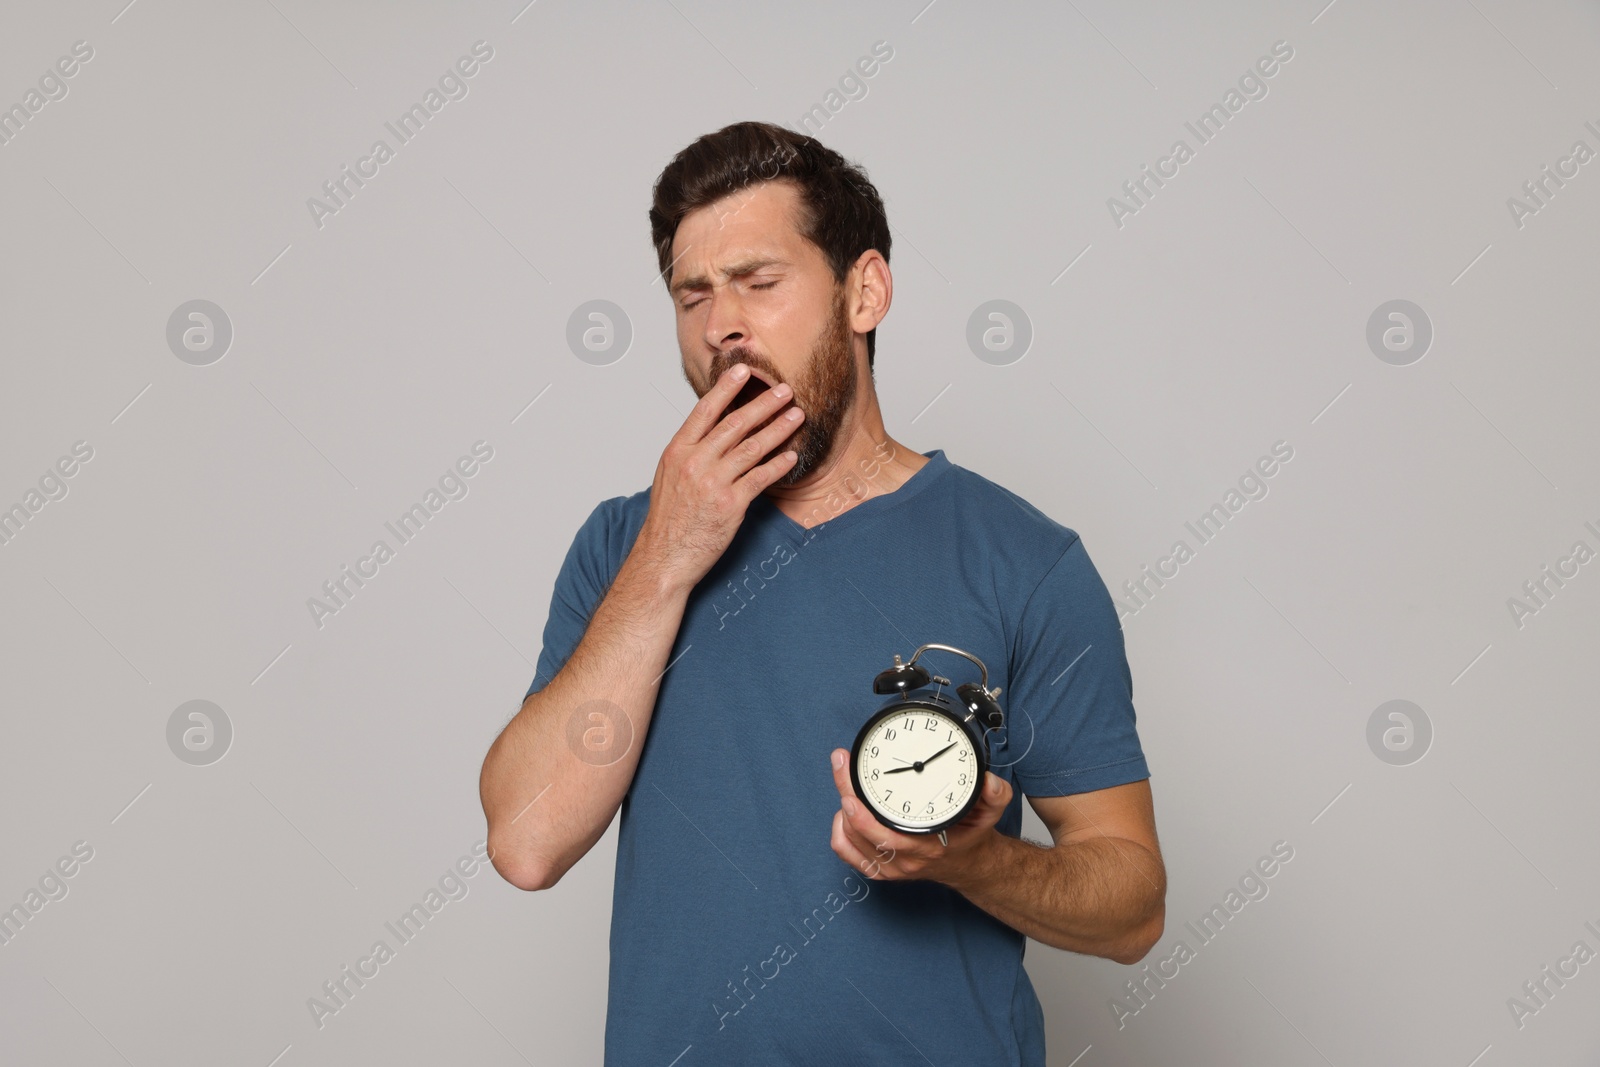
[(546, 805), (1100, 889)]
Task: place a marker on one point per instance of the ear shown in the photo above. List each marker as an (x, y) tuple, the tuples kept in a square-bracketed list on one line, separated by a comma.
[(869, 289)]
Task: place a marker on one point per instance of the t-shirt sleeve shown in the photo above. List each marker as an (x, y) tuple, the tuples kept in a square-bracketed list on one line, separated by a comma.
[(580, 584), (1070, 707)]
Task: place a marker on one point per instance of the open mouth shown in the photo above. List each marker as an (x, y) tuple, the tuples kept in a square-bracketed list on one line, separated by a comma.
[(754, 386)]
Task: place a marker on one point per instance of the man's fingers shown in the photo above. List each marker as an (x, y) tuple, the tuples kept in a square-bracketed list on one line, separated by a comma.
[(750, 475), (991, 803), (711, 406), (859, 845), (997, 791), (840, 758), (755, 447), (755, 481), (846, 849), (737, 427)]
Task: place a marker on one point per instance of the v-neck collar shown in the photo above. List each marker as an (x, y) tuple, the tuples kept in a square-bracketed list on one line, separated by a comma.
[(937, 464)]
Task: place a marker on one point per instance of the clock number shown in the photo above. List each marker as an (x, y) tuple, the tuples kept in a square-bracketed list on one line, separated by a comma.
[(950, 797), (874, 774), (930, 808), (961, 780), (951, 736), (888, 734), (962, 755), (887, 793), (907, 724), (873, 750), (929, 724), (906, 807)]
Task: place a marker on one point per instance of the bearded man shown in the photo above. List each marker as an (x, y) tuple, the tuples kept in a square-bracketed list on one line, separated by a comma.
[(719, 631)]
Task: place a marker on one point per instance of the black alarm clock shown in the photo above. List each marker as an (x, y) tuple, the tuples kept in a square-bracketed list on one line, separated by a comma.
[(919, 762)]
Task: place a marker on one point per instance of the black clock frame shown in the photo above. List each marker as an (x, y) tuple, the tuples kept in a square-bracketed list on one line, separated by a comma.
[(939, 704)]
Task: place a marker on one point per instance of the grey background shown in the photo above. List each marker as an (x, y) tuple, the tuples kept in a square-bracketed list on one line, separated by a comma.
[(1229, 313)]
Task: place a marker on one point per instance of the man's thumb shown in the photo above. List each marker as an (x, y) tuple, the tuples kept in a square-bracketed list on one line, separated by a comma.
[(996, 790)]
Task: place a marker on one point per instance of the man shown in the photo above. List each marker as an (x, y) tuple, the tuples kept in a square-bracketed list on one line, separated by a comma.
[(709, 658)]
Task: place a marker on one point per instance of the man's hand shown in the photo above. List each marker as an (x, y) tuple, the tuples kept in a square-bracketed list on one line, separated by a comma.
[(1100, 889), (709, 474), (896, 856)]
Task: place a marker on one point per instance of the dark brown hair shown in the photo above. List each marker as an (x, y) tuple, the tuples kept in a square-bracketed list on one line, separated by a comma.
[(842, 213)]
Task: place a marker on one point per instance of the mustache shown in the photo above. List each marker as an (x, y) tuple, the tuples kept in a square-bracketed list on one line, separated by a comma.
[(754, 360)]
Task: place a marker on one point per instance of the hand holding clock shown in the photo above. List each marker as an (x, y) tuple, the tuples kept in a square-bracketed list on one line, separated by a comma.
[(857, 835)]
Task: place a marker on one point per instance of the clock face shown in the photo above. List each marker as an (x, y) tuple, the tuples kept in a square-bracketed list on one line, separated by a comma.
[(917, 767)]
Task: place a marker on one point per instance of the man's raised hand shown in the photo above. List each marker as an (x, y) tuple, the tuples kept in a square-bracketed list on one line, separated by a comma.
[(710, 472)]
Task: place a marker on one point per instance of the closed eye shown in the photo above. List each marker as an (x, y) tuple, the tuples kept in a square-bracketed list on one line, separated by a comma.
[(763, 285)]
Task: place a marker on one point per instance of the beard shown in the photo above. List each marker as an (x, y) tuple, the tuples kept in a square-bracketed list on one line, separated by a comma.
[(825, 391)]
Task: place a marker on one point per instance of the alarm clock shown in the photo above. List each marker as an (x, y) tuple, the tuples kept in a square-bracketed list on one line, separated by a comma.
[(919, 762)]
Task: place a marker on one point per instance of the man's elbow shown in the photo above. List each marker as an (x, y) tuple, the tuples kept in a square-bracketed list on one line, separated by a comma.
[(1144, 939), (526, 871)]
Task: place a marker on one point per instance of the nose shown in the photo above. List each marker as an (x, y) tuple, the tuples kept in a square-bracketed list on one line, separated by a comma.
[(725, 325)]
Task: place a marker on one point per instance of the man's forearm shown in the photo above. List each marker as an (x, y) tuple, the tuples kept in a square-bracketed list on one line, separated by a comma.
[(1103, 896), (546, 804)]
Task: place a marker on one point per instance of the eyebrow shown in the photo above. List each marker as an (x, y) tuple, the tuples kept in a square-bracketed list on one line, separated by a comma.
[(735, 270)]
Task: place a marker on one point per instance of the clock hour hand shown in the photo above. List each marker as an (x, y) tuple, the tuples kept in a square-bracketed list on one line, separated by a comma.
[(921, 763)]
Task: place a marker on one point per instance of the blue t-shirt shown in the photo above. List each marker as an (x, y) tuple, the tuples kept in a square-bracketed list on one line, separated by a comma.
[(738, 936)]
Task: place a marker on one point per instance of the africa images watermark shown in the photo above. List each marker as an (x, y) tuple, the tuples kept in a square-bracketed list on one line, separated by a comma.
[(52, 86), (1539, 590), (343, 986), (1138, 592), (1538, 991), (52, 887), (1539, 191), (1252, 886), (52, 486), (851, 87), (453, 485), (452, 86), (1252, 86), (856, 889)]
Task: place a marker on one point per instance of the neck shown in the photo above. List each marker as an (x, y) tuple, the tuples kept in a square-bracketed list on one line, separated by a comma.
[(865, 462)]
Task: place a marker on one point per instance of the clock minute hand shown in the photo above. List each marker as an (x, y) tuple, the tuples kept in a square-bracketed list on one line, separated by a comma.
[(939, 753)]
